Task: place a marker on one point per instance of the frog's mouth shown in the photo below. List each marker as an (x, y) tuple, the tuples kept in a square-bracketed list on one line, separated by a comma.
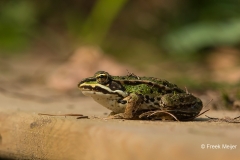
[(99, 89)]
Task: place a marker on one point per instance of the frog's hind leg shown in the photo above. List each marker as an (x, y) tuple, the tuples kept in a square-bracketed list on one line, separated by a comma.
[(182, 105), (158, 114)]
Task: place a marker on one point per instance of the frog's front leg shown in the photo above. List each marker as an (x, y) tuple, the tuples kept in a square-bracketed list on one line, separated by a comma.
[(133, 102)]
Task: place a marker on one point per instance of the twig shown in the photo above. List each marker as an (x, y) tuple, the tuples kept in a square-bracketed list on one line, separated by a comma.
[(71, 114)]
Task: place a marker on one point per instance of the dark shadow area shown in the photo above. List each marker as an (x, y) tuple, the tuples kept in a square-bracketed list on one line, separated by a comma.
[(5, 158)]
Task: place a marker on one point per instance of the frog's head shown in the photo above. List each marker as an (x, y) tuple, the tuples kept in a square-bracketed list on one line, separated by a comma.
[(102, 85), (104, 89)]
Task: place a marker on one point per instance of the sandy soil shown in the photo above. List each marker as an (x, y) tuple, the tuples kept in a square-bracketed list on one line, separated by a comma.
[(140, 139), (26, 135)]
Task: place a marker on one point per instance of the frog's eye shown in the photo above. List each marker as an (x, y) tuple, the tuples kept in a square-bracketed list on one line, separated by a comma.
[(102, 77)]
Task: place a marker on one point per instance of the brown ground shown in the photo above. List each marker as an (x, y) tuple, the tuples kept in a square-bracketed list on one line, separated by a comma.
[(26, 135)]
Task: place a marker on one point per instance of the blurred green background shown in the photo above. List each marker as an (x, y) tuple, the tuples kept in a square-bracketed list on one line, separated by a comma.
[(175, 27)]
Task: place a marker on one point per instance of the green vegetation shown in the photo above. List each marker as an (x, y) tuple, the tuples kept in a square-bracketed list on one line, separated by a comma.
[(181, 27), (17, 19)]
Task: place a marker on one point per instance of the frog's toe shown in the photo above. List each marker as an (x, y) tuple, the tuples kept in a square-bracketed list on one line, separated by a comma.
[(146, 115), (112, 114)]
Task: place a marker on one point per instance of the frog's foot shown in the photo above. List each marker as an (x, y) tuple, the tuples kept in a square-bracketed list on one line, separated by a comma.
[(158, 114), (112, 114)]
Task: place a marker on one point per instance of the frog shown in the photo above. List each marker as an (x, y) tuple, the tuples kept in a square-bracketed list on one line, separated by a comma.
[(145, 98)]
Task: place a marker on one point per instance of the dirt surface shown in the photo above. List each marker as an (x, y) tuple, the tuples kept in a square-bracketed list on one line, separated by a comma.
[(26, 135), (21, 128)]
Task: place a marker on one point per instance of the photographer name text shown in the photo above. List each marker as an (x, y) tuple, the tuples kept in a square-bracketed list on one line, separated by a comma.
[(219, 146)]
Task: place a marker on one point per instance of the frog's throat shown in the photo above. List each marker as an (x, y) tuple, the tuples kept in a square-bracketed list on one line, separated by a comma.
[(98, 88)]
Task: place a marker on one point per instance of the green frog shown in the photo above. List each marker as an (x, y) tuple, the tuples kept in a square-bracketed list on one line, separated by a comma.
[(133, 97)]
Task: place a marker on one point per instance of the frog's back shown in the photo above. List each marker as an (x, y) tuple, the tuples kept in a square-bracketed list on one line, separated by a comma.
[(162, 86)]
